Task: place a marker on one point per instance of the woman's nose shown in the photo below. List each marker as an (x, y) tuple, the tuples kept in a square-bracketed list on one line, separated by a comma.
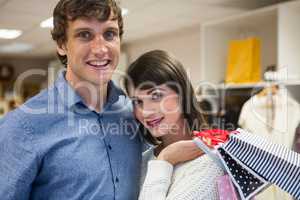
[(149, 109)]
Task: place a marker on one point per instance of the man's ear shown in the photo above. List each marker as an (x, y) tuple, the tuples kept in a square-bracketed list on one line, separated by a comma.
[(61, 50)]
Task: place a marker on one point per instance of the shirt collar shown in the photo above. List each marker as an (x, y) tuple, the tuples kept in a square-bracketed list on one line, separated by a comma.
[(70, 97), (113, 93), (66, 93)]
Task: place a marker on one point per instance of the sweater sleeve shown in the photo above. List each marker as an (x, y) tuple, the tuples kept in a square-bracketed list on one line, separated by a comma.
[(195, 180), (157, 181)]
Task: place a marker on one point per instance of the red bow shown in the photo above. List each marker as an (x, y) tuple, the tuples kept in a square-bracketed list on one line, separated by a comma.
[(213, 137)]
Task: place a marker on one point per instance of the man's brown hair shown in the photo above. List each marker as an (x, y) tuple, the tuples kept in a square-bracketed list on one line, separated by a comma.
[(70, 10)]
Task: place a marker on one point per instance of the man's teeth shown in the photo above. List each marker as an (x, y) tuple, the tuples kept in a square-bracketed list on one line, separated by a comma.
[(99, 63)]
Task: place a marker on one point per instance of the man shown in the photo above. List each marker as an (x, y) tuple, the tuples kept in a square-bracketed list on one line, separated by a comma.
[(76, 140)]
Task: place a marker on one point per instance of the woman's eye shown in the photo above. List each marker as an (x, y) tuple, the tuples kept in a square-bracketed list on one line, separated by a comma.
[(157, 96), (137, 102), (110, 35)]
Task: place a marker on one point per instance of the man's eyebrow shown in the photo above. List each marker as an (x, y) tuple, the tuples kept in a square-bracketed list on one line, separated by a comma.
[(82, 29), (113, 28)]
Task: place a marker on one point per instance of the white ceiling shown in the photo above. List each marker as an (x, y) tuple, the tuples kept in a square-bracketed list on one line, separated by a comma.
[(146, 18)]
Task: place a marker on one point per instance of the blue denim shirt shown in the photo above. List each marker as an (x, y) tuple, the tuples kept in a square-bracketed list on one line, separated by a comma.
[(54, 147)]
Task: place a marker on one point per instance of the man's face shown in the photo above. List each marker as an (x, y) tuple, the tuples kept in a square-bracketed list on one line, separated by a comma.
[(92, 49)]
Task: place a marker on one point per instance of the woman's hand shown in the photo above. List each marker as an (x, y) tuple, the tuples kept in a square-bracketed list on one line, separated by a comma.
[(180, 151)]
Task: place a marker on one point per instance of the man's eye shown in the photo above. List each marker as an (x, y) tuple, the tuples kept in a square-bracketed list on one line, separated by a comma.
[(84, 35), (157, 96), (110, 35)]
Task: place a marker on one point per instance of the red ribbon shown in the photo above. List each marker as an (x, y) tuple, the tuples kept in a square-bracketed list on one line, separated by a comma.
[(213, 137)]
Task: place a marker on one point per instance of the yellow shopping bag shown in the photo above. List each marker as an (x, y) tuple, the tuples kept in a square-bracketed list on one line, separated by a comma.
[(244, 65)]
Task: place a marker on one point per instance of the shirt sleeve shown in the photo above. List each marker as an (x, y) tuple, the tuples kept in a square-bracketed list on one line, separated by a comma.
[(157, 181), (18, 163)]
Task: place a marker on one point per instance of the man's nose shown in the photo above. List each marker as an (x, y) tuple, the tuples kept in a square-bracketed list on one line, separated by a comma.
[(99, 46)]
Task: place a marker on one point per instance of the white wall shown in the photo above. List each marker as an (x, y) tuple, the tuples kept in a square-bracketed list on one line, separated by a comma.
[(120, 70), (184, 44), (289, 42)]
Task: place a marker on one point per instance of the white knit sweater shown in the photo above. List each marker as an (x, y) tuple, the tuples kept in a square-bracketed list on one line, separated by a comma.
[(193, 180)]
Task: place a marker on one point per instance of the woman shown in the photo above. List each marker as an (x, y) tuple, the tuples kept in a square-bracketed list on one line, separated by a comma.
[(165, 104)]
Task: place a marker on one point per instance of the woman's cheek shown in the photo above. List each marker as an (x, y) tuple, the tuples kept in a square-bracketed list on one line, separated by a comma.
[(170, 105), (138, 114)]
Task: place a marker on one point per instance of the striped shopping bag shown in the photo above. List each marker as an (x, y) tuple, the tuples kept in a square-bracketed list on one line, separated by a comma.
[(273, 162), (237, 177)]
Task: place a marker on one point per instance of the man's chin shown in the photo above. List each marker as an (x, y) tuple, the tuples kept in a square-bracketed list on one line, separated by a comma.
[(101, 80)]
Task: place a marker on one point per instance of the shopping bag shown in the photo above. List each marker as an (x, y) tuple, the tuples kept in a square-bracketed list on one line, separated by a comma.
[(243, 62), (273, 162), (226, 189), (239, 176), (246, 181)]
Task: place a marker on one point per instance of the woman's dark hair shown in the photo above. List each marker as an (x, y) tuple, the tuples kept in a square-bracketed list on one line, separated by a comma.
[(159, 67), (70, 10)]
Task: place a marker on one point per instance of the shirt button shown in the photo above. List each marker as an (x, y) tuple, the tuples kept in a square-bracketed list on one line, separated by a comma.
[(117, 180), (110, 148)]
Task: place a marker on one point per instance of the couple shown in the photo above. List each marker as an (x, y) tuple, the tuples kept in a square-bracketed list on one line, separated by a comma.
[(47, 153)]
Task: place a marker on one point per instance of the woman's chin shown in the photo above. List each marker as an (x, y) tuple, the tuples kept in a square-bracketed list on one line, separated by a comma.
[(158, 133)]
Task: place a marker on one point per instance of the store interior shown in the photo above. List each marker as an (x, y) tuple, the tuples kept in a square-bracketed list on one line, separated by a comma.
[(201, 34)]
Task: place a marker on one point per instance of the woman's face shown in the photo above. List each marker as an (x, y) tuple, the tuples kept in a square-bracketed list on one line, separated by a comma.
[(158, 109)]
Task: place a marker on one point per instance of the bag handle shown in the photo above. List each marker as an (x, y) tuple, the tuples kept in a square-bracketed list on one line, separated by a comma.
[(210, 152)]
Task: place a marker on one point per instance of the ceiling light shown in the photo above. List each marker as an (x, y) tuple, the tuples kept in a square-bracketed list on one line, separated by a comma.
[(48, 23), (15, 48), (9, 33)]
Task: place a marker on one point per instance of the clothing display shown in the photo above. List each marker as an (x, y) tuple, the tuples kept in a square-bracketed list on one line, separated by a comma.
[(192, 180), (254, 117), (55, 145), (276, 121)]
